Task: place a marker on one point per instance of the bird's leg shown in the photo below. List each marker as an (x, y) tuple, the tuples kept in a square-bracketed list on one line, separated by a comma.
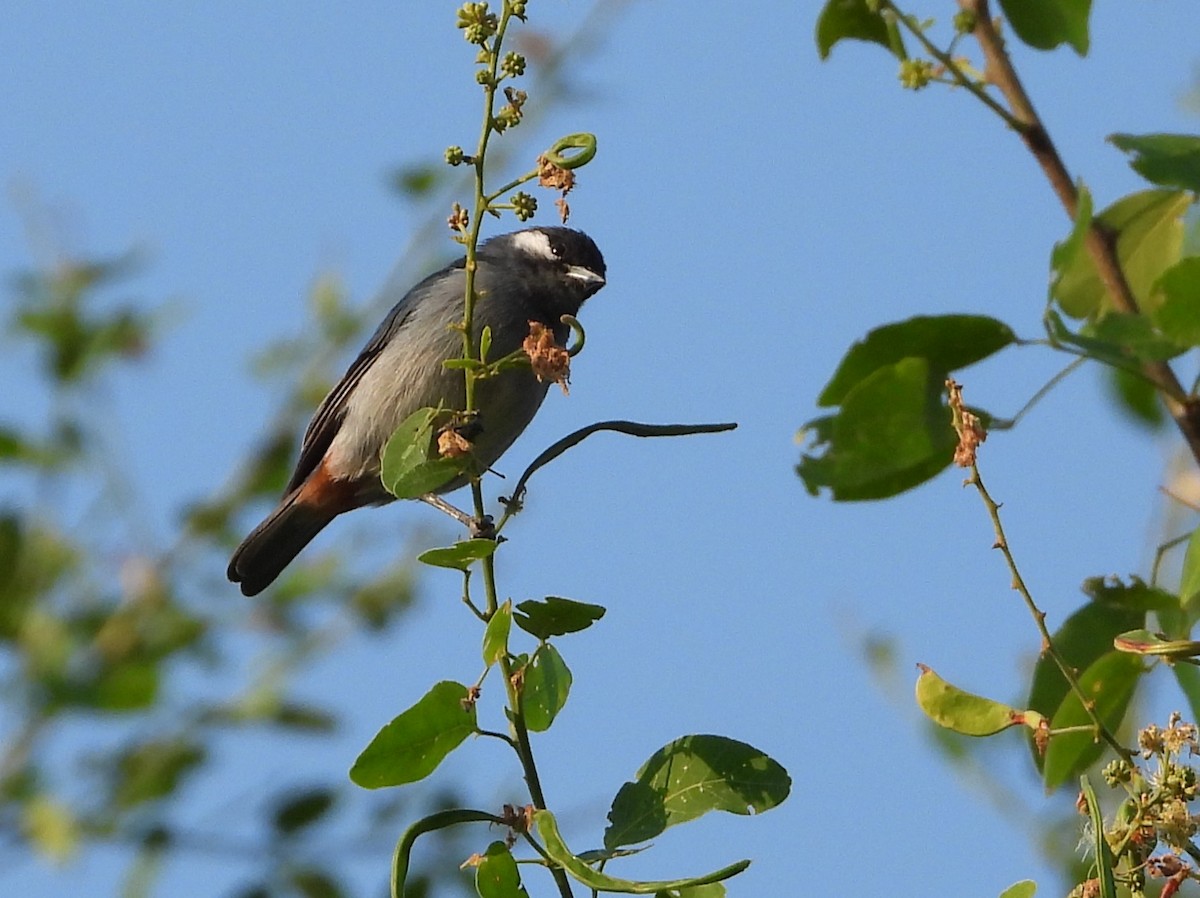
[(480, 528), (443, 506)]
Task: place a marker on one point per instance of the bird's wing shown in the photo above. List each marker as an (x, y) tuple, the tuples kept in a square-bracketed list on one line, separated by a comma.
[(327, 419)]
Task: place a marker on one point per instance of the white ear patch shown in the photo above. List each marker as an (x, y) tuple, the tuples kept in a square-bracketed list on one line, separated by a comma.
[(533, 243)]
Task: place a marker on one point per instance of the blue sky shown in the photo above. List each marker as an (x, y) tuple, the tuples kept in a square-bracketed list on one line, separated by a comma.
[(759, 211)]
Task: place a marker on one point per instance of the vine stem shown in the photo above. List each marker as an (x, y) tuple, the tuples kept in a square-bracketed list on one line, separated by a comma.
[(1101, 241), (1039, 618), (482, 205)]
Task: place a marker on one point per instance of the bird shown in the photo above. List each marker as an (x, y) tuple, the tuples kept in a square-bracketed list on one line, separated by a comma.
[(532, 275)]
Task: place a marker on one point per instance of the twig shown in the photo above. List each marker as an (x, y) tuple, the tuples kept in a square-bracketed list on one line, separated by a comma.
[(1039, 618)]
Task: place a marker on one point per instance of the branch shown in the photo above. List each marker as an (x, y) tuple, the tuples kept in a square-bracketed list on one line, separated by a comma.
[(1101, 240)]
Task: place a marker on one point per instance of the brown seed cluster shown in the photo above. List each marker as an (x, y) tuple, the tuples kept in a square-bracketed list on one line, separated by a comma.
[(452, 444), (970, 429), (556, 178), (549, 360)]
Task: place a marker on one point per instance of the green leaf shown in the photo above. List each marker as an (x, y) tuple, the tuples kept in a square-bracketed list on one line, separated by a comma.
[(411, 746), (556, 616), (495, 636), (153, 770), (129, 686), (427, 477), (892, 433), (461, 555), (1188, 677), (1132, 336), (312, 882), (418, 179), (1150, 229), (1189, 580), (299, 810), (547, 685), (409, 443), (1170, 160), (947, 342), (1026, 888), (1135, 595), (1084, 637), (854, 20), (1101, 850), (408, 471), (1109, 684), (547, 830), (1136, 397), (690, 777), (1117, 340), (1044, 24), (51, 827), (402, 854), (966, 713), (1065, 252), (497, 876), (1178, 313), (485, 343), (709, 890)]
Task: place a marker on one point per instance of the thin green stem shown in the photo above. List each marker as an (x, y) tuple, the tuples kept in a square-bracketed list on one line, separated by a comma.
[(519, 739), (466, 596), (516, 182), (960, 77), (1080, 728), (1161, 552), (1042, 392), (1039, 618), (481, 200), (503, 737)]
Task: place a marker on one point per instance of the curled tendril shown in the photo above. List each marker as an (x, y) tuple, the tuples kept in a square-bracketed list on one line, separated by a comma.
[(577, 329), (584, 142)]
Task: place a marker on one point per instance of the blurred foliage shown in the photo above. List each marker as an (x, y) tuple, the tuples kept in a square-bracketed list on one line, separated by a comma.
[(102, 629), (1124, 295)]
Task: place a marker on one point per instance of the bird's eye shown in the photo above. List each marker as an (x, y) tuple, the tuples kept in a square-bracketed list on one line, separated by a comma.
[(556, 250)]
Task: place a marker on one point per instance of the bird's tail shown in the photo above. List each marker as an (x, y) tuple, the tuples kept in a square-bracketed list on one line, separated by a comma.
[(273, 544)]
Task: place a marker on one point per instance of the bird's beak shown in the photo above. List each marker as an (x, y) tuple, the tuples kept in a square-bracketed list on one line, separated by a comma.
[(589, 277)]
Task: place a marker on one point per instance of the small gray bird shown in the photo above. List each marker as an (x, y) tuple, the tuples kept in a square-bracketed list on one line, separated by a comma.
[(534, 275)]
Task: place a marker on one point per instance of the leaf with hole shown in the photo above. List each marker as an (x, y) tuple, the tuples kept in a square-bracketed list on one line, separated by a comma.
[(892, 433), (547, 683)]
